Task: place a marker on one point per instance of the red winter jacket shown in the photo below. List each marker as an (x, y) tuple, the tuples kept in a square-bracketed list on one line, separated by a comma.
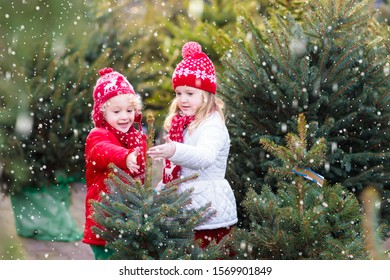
[(102, 148)]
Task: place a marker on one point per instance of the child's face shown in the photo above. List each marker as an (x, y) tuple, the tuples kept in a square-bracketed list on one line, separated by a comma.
[(189, 99), (119, 113)]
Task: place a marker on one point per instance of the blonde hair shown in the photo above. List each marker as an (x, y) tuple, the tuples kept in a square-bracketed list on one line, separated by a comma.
[(135, 102), (211, 104)]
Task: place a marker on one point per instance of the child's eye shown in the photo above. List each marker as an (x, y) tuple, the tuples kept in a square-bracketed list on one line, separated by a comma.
[(129, 110)]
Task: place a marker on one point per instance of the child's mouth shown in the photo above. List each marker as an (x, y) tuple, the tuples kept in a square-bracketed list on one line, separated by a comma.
[(123, 125)]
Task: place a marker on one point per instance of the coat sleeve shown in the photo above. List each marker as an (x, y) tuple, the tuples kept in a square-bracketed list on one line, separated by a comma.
[(211, 139), (102, 150)]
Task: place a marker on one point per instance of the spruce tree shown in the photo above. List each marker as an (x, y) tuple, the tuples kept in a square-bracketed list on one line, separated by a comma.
[(333, 68), (303, 218), (138, 222)]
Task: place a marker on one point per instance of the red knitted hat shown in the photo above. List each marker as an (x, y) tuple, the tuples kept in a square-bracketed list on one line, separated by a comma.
[(110, 84), (195, 70)]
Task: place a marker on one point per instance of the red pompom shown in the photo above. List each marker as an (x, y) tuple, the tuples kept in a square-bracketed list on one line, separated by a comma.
[(190, 49), (105, 71)]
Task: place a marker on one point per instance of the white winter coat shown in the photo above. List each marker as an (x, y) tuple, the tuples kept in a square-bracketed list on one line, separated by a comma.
[(205, 152)]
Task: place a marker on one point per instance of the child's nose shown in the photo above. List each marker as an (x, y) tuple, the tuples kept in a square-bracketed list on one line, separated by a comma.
[(183, 98), (124, 115)]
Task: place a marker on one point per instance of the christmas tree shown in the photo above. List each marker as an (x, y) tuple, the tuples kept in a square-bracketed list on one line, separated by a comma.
[(306, 218), (338, 80), (139, 222)]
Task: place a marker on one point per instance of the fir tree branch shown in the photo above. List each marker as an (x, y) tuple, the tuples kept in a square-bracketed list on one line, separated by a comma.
[(377, 85), (343, 89), (341, 61)]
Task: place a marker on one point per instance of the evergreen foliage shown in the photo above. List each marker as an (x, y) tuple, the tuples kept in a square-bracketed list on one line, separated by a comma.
[(31, 43), (285, 7), (302, 219), (138, 222), (338, 81), (49, 149)]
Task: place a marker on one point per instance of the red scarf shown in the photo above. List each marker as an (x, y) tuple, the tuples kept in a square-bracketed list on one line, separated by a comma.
[(176, 133), (131, 140)]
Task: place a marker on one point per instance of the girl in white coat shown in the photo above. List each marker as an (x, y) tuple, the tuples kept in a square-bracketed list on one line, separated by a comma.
[(198, 142)]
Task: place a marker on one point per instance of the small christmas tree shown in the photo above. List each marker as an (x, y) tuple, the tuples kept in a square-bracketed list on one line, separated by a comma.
[(306, 218), (139, 223)]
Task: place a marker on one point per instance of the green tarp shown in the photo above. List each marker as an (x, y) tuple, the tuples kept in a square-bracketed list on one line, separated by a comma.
[(43, 214)]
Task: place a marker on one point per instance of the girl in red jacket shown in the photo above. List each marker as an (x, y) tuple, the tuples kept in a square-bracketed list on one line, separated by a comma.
[(114, 139)]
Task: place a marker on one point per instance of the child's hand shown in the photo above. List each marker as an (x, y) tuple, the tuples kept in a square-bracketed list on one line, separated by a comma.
[(131, 161), (163, 151)]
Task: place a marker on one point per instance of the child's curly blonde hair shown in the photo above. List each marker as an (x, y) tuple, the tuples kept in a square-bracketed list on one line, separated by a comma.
[(135, 102)]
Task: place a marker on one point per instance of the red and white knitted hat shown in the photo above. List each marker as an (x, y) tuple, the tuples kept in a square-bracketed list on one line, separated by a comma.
[(195, 70), (110, 84)]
